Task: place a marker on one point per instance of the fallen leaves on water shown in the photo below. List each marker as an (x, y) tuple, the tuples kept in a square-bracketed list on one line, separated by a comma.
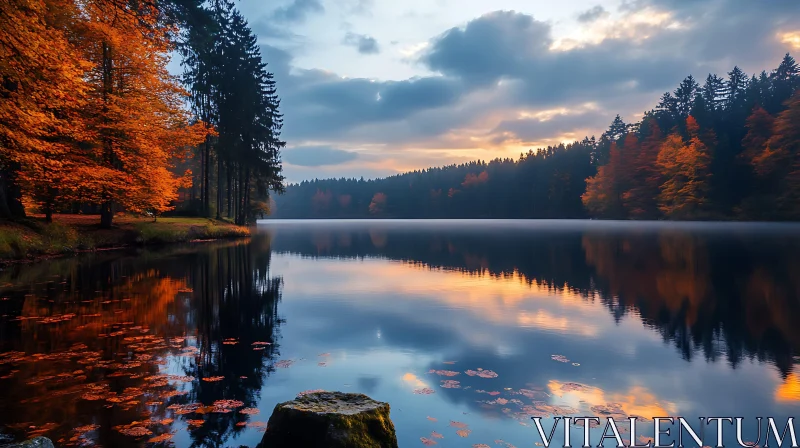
[(576, 364), (463, 432), (456, 424), (444, 372), (186, 290), (575, 387), (195, 422), (227, 404), (230, 341), (504, 443), (249, 411), (312, 391), (256, 349), (451, 384), (212, 379), (480, 445), (135, 431), (162, 438), (436, 435), (284, 364), (322, 364), (241, 424), (324, 354), (433, 419), (85, 429), (260, 426), (481, 373), (424, 391), (559, 358), (427, 442), (261, 343)]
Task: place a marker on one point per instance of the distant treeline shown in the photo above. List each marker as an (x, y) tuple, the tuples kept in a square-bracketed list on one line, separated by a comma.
[(729, 149)]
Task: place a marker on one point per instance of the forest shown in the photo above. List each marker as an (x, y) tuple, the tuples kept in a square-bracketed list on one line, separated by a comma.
[(728, 149), (91, 120)]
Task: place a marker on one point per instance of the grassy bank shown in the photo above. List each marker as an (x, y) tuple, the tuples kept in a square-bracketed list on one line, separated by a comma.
[(33, 238)]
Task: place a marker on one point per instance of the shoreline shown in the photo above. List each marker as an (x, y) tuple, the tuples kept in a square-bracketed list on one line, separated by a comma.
[(33, 240)]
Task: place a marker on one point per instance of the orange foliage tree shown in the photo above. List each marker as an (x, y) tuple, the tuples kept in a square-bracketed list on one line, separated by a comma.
[(778, 158), (42, 89), (685, 168), (378, 204), (135, 111)]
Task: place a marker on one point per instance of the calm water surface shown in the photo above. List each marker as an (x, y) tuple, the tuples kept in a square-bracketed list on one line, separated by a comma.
[(480, 323)]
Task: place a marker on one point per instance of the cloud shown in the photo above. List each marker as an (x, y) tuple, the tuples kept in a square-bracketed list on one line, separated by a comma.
[(365, 44), (298, 10), (592, 14), (317, 156), (493, 70)]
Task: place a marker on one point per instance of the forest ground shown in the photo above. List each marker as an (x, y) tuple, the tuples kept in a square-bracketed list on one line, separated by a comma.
[(33, 239)]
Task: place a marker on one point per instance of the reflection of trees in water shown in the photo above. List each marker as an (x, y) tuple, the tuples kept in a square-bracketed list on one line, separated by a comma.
[(108, 322), (239, 300), (706, 293)]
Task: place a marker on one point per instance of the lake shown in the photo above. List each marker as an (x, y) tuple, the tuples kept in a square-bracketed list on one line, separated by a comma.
[(467, 329)]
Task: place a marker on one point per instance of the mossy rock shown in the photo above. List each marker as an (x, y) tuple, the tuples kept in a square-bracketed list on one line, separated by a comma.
[(36, 442), (330, 420)]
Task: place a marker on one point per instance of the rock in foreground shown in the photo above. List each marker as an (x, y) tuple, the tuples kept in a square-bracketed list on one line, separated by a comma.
[(37, 442), (330, 420)]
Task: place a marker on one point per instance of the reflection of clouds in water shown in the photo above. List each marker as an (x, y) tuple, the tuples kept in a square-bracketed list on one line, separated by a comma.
[(789, 389), (505, 300), (637, 400)]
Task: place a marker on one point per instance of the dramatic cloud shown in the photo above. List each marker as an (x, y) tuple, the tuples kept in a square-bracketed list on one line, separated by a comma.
[(317, 156), (503, 80), (365, 44), (298, 10), (592, 14)]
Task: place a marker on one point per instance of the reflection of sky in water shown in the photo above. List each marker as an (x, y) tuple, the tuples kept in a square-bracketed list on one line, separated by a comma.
[(391, 322), (658, 324)]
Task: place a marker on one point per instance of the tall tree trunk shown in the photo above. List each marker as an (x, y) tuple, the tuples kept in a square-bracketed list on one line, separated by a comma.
[(228, 175), (246, 206), (106, 209), (202, 178), (219, 187), (206, 204)]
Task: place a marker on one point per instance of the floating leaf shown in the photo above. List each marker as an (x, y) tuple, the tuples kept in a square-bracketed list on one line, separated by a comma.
[(424, 391), (463, 432), (136, 431), (249, 411), (444, 372), (284, 364), (162, 438), (427, 442), (433, 419), (458, 424), (559, 358), (261, 343), (480, 445), (451, 384), (212, 379), (436, 435), (324, 354), (195, 422), (85, 429), (322, 364)]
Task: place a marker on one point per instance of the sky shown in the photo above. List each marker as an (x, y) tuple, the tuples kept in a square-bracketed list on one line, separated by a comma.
[(378, 87)]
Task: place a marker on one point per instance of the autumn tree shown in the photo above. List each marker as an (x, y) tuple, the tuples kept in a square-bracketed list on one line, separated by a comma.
[(378, 204), (42, 89), (136, 113), (684, 167), (640, 199)]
